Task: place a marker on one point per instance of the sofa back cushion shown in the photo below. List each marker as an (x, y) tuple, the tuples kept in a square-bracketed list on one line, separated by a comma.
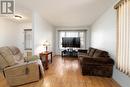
[(14, 50), (6, 54), (5, 51), (100, 53), (91, 51), (11, 55), (17, 53)]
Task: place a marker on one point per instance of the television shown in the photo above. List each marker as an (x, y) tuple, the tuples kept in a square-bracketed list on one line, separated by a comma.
[(71, 42)]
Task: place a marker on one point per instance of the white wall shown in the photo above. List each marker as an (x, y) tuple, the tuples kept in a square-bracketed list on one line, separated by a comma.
[(22, 26), (103, 36), (42, 31), (8, 32), (57, 50), (12, 33)]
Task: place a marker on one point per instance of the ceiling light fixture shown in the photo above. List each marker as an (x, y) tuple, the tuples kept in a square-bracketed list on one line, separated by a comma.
[(17, 16)]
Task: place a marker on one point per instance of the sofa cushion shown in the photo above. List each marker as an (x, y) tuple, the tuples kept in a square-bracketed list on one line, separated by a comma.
[(91, 51), (3, 63), (18, 57), (97, 53), (10, 60), (105, 54), (100, 53)]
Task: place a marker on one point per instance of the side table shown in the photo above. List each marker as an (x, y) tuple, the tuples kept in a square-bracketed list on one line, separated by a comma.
[(46, 58)]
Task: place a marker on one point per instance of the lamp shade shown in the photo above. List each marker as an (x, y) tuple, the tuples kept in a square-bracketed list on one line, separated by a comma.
[(46, 43)]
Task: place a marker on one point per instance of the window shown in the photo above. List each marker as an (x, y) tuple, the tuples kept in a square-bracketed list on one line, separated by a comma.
[(123, 36), (80, 33), (28, 39)]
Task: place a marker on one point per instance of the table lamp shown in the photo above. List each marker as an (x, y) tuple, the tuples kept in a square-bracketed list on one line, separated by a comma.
[(46, 44)]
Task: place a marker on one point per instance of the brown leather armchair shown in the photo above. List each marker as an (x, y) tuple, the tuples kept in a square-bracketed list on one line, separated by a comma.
[(96, 62)]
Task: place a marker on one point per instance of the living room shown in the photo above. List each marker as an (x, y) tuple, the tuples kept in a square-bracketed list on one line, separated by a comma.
[(48, 23)]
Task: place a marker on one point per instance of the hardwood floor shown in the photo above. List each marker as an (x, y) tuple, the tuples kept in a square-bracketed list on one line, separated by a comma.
[(66, 73)]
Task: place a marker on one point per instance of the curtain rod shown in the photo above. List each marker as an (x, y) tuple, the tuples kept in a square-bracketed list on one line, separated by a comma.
[(119, 3), (73, 30)]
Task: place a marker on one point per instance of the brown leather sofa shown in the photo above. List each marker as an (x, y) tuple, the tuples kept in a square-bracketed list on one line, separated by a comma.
[(95, 62)]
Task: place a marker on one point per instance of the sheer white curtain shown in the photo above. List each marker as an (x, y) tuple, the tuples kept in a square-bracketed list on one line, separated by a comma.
[(123, 36)]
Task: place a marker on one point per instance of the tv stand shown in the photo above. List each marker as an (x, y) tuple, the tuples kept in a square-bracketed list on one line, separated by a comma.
[(69, 53)]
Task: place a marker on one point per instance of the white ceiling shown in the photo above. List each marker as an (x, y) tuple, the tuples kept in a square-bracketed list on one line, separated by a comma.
[(67, 12)]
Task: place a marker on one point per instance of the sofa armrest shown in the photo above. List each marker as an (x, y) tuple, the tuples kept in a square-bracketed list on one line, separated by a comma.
[(35, 57), (99, 60), (82, 55), (82, 51)]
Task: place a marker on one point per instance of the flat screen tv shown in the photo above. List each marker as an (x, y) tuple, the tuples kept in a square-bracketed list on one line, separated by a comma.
[(71, 42)]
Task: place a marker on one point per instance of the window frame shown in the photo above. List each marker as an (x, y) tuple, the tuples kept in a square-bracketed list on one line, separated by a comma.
[(25, 31), (84, 31)]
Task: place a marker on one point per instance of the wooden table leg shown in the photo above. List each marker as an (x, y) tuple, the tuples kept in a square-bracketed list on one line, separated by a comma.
[(46, 64), (51, 57)]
